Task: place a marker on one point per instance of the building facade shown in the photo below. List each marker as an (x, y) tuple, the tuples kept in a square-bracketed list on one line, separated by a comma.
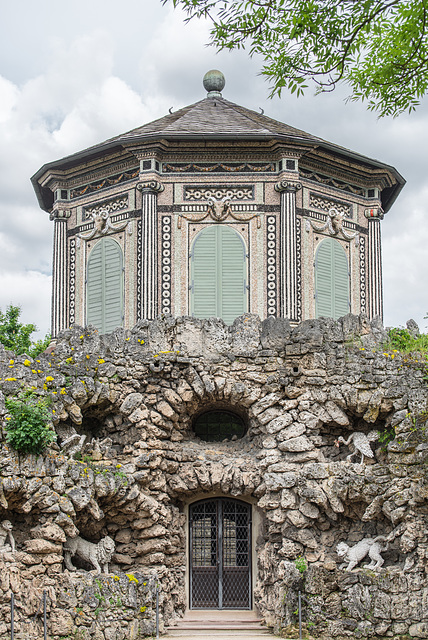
[(215, 210)]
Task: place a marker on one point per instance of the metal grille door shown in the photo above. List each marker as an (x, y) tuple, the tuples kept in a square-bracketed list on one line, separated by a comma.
[(220, 554)]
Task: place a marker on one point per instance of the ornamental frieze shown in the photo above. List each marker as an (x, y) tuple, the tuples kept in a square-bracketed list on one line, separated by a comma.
[(103, 184), (238, 192), (332, 182), (219, 167), (107, 207), (325, 204)]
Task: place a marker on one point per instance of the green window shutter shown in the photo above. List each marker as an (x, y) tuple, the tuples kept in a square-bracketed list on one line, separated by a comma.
[(331, 280), (218, 273), (105, 286)]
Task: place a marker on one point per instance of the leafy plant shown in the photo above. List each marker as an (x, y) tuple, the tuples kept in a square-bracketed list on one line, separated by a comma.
[(16, 336), (28, 428), (301, 564), (379, 48), (401, 340), (386, 436)]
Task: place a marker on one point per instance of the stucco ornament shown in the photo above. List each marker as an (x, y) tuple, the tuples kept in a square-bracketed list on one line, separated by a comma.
[(354, 555), (361, 444), (6, 534), (98, 555), (334, 225), (102, 224), (219, 209)]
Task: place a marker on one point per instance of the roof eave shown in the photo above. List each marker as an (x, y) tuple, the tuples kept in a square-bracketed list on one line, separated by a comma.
[(125, 143)]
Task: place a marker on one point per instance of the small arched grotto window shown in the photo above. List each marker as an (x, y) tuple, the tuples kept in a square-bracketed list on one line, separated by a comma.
[(217, 425), (331, 280), (104, 289)]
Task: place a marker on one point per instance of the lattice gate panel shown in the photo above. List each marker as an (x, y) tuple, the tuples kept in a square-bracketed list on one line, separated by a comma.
[(220, 554)]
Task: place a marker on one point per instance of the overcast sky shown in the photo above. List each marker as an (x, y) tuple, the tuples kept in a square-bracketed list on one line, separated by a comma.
[(74, 74)]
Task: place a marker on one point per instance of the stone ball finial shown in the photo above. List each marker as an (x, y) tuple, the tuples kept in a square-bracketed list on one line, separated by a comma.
[(214, 82)]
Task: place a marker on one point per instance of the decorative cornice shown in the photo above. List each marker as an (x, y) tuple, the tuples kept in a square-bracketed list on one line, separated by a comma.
[(151, 186), (290, 187)]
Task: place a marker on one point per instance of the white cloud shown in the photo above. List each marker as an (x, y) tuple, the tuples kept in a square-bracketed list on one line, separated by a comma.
[(31, 291)]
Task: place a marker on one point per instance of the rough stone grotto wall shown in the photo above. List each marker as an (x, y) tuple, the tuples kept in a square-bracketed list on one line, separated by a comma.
[(298, 390)]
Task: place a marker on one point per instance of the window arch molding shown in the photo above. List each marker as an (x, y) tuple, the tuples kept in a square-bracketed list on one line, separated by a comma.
[(105, 286), (218, 274), (332, 280)]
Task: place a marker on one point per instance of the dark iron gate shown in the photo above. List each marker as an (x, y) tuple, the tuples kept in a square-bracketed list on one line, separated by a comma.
[(220, 554)]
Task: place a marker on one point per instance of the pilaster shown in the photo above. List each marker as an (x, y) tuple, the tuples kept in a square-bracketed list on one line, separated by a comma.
[(60, 289), (148, 276), (374, 264), (290, 268)]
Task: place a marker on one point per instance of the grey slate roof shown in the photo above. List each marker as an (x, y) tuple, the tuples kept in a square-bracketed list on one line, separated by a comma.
[(215, 117)]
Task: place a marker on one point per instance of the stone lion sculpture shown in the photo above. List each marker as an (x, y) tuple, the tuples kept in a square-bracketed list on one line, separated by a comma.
[(366, 546), (6, 534), (98, 555)]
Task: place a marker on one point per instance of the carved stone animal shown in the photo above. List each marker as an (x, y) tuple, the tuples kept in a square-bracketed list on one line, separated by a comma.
[(98, 555), (361, 444), (6, 534), (366, 546)]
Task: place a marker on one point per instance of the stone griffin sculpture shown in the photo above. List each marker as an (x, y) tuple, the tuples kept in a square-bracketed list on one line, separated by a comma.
[(98, 555), (361, 444), (6, 534)]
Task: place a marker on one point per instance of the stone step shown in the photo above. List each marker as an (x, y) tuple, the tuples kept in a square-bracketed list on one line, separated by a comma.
[(218, 634), (218, 625)]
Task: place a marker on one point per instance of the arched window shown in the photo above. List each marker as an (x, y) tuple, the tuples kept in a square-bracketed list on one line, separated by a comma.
[(104, 289), (218, 272), (219, 425), (331, 280)]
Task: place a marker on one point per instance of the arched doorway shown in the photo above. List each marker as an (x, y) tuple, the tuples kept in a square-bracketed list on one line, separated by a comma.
[(220, 554), (218, 274)]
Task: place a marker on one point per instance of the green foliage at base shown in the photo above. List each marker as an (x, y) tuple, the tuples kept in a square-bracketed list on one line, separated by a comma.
[(28, 428)]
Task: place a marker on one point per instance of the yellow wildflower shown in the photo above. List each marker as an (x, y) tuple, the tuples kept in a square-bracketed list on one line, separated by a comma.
[(49, 379), (27, 363)]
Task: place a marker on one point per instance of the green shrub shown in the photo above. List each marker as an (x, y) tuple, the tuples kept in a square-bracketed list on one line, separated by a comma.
[(301, 564), (28, 428), (403, 341)]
